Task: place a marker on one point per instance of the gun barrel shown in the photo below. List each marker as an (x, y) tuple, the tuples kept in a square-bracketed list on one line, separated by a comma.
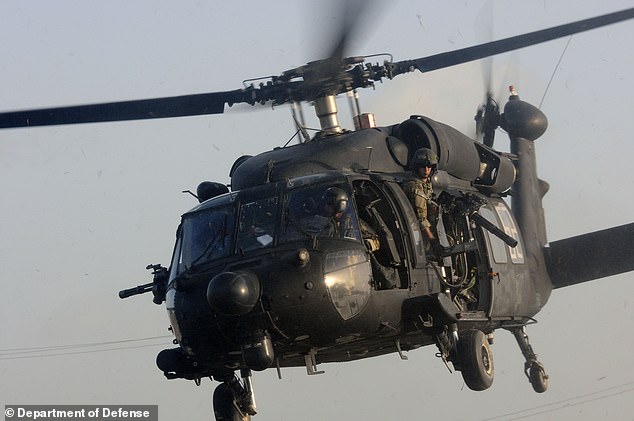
[(140, 289), (487, 225)]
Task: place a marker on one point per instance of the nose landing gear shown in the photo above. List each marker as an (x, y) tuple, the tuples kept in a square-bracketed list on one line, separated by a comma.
[(235, 400), (533, 369)]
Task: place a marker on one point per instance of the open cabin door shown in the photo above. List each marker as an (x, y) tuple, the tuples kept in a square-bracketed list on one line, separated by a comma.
[(481, 246)]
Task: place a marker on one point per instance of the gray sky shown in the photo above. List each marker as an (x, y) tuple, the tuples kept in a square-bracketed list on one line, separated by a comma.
[(85, 208)]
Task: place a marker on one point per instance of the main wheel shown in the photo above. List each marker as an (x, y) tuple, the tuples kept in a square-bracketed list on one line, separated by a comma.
[(538, 378), (476, 359), (224, 405)]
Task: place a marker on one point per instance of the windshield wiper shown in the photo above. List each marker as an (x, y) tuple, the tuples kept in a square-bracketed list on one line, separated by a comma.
[(197, 264)]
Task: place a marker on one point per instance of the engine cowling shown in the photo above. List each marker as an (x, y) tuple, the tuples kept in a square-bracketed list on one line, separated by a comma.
[(382, 149), (459, 155)]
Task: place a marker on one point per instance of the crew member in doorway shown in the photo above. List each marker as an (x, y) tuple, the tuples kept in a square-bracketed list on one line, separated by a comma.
[(420, 191)]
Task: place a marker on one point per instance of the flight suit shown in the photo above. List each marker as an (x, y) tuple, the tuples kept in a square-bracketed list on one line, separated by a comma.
[(325, 226), (419, 192), (341, 227)]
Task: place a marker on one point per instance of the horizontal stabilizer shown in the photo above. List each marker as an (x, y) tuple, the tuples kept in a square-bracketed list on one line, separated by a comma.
[(591, 256)]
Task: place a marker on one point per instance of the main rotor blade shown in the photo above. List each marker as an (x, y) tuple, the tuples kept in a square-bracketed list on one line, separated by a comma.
[(464, 55), (352, 15), (279, 93), (177, 106)]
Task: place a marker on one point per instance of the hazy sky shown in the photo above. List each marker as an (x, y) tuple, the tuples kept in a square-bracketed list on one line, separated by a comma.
[(85, 208)]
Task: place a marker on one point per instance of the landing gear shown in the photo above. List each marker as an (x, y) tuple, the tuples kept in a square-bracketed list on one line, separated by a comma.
[(538, 377), (234, 400), (470, 353), (476, 359), (533, 369)]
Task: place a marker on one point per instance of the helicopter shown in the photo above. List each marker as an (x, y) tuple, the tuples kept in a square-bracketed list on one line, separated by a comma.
[(370, 177)]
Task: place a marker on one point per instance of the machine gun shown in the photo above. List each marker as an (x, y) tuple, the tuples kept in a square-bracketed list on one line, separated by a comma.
[(158, 286)]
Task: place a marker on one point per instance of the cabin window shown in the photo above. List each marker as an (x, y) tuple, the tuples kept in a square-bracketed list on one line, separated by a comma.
[(509, 227), (498, 248)]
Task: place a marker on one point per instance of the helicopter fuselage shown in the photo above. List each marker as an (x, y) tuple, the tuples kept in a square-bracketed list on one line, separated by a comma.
[(273, 290)]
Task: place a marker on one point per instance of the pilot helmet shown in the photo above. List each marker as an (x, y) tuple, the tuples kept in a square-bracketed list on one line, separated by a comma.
[(337, 198), (423, 157)]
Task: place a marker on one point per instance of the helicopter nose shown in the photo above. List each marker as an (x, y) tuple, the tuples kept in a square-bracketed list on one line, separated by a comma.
[(233, 293)]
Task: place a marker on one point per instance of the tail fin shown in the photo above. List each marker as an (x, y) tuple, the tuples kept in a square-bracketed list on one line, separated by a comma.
[(591, 256)]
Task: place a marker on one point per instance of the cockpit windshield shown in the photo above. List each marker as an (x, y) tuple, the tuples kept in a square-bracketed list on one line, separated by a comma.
[(206, 235), (256, 228), (245, 224)]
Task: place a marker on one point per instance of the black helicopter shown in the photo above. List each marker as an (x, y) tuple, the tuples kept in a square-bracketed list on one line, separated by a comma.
[(273, 293)]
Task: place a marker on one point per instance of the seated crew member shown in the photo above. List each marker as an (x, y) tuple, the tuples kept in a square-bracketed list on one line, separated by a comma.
[(332, 220), (384, 277)]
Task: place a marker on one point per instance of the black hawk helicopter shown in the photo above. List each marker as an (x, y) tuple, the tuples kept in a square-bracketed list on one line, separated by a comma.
[(252, 285)]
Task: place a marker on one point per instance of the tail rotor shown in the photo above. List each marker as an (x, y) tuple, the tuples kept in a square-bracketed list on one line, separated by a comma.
[(487, 120)]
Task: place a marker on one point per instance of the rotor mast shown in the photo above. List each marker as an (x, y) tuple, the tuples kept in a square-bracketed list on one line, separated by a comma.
[(326, 110)]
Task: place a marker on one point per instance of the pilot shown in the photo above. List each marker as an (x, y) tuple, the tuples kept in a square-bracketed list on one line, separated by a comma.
[(420, 190), (333, 220), (335, 206)]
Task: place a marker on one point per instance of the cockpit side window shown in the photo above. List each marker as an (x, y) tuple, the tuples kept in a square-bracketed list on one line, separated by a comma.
[(256, 227), (320, 211)]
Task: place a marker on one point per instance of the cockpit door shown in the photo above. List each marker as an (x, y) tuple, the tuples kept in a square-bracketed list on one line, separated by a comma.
[(381, 230)]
